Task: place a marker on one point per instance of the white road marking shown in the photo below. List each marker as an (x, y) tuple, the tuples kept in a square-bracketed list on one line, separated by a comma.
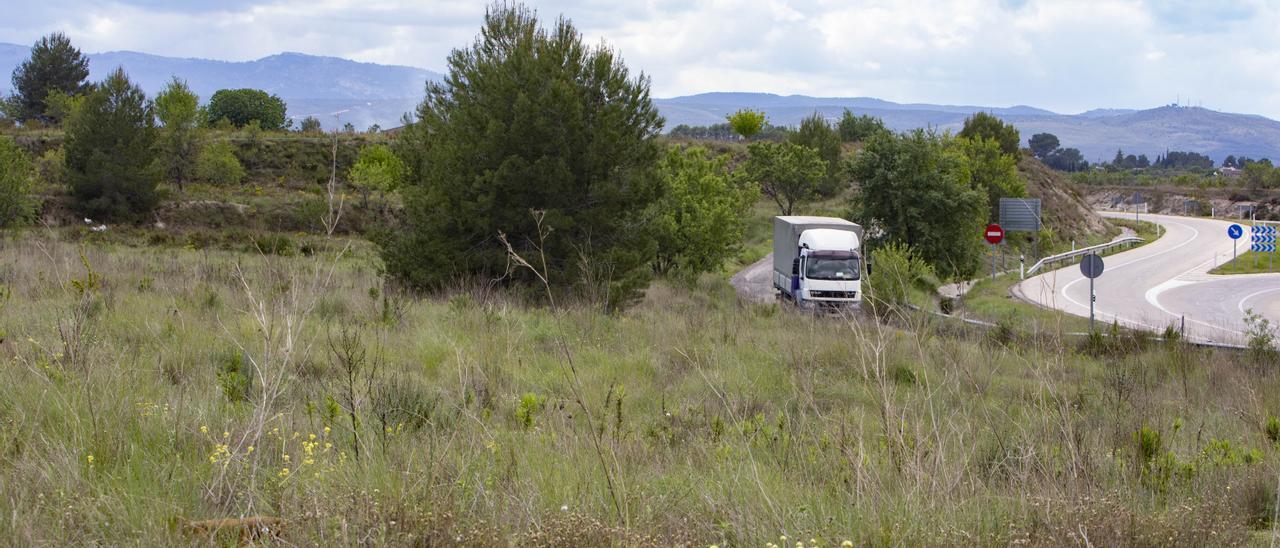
[(1240, 305)]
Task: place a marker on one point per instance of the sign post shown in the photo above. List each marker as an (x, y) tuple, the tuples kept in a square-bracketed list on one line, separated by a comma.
[(1234, 232), (994, 235), (1091, 266)]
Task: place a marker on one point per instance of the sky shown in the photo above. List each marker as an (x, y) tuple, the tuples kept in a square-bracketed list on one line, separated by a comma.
[(1066, 56)]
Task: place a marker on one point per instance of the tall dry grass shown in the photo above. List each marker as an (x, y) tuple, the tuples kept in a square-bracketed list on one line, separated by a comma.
[(189, 385)]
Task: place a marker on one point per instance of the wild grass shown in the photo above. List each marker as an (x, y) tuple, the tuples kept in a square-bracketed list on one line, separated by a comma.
[(142, 389), (1249, 262)]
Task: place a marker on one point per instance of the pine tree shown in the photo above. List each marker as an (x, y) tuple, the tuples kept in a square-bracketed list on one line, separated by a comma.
[(109, 155), (530, 119), (54, 66)]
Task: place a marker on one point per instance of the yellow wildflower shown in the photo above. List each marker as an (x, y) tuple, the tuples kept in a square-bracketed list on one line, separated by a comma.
[(89, 459), (204, 429)]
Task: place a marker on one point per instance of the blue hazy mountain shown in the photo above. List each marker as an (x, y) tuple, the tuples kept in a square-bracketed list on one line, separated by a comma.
[(338, 90), (1097, 133), (364, 93)]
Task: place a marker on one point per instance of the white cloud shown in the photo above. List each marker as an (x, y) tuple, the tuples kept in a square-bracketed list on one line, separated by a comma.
[(1066, 56)]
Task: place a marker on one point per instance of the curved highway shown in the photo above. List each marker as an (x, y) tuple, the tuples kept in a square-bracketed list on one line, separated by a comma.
[(1161, 283)]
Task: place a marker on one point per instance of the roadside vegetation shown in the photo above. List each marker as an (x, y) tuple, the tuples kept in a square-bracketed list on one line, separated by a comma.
[(147, 388), (1249, 262), (509, 323)]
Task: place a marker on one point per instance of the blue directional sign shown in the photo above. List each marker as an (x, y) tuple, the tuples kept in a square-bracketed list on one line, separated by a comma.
[(1258, 239), (1263, 248), (1235, 232), (1264, 230)]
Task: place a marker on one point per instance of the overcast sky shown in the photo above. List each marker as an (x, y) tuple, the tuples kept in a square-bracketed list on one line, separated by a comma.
[(1062, 55)]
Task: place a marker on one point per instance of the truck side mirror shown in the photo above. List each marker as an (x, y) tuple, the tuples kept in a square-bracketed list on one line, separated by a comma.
[(795, 266)]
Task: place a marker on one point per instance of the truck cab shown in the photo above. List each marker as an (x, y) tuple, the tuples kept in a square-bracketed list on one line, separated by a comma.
[(830, 269)]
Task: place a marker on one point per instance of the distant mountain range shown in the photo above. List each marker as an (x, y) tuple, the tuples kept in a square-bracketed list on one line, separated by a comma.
[(338, 91), (364, 93), (1097, 133)]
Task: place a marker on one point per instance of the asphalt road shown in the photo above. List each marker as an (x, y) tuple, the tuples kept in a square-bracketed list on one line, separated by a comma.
[(755, 283), (1159, 284)]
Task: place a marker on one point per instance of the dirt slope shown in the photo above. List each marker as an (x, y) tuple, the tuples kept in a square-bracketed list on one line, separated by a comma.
[(1065, 210)]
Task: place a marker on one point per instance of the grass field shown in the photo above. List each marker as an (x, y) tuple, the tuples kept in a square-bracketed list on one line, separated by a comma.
[(146, 388)]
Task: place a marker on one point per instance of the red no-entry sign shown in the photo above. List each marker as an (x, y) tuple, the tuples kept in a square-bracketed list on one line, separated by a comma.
[(994, 233)]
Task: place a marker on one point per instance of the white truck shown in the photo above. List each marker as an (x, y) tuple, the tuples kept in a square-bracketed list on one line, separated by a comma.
[(817, 260)]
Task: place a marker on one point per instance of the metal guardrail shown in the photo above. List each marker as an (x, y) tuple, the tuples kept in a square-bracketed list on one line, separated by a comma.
[(1127, 240)]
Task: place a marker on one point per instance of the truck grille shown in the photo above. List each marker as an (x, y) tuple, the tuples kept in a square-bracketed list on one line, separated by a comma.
[(833, 294)]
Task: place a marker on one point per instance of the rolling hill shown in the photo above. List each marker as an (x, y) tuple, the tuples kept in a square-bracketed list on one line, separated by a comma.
[(338, 90), (364, 93), (1097, 133)]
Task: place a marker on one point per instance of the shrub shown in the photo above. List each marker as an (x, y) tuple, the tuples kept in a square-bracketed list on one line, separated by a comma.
[(310, 124), (273, 244), (15, 184), (527, 409), (896, 272), (235, 377), (217, 164), (1261, 337), (377, 170), (51, 168)]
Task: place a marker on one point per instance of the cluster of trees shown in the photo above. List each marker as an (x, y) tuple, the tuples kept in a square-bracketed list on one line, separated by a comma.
[(513, 153), (1243, 161), (850, 128), (1183, 161), (933, 192), (119, 144), (725, 132), (1046, 148)]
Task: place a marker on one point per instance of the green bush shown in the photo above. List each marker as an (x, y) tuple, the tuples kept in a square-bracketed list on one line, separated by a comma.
[(273, 244), (217, 164), (896, 273), (235, 377), (16, 174)]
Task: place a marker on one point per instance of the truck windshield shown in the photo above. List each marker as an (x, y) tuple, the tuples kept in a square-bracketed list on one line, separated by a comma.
[(831, 268)]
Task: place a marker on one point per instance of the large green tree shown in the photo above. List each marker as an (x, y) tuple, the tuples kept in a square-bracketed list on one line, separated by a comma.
[(178, 109), (54, 66), (1043, 144), (786, 172), (987, 125), (700, 220), (109, 151), (993, 171), (917, 189), (816, 133), (242, 106), (16, 174), (527, 119)]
